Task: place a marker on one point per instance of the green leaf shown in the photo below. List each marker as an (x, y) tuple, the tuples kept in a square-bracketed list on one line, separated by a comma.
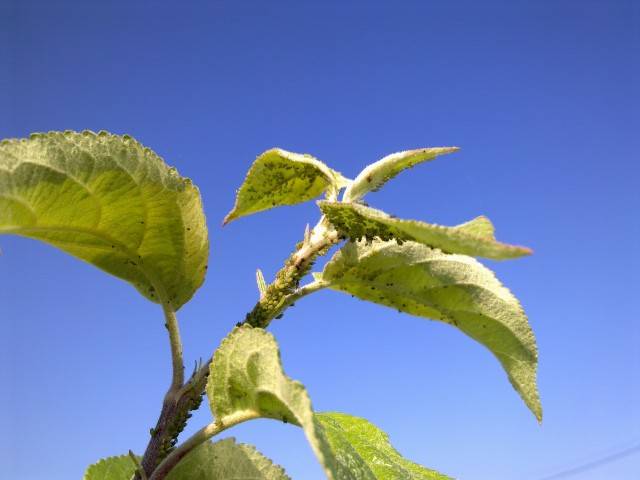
[(111, 468), (480, 227), (111, 202), (226, 460), (278, 177), (455, 289), (246, 381), (356, 439), (474, 238), (377, 174)]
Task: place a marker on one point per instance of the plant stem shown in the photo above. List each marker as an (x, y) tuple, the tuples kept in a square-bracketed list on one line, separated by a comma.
[(181, 399), (171, 322), (175, 404), (283, 291), (197, 439), (301, 292)]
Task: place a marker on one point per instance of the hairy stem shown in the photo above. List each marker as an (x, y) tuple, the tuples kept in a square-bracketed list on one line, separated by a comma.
[(177, 403), (284, 288), (196, 439), (301, 292), (279, 295), (171, 322)]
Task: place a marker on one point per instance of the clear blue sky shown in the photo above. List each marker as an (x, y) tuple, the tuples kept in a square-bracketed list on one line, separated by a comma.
[(543, 99)]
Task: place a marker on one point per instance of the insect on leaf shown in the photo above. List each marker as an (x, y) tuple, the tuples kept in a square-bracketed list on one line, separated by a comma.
[(377, 174), (111, 202), (279, 177), (455, 289), (474, 238), (355, 440)]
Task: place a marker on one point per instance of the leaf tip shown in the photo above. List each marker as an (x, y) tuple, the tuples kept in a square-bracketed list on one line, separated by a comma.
[(524, 251), (229, 218), (536, 409)]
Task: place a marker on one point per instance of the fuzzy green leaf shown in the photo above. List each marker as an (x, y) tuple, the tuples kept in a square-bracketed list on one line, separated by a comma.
[(455, 289), (355, 439), (246, 381), (111, 202), (474, 238), (278, 177), (377, 174), (111, 468), (226, 460)]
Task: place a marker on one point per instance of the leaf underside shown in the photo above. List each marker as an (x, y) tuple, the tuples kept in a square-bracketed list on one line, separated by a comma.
[(455, 289), (373, 177), (246, 378), (111, 202), (355, 439), (278, 177), (474, 238), (226, 460), (111, 468)]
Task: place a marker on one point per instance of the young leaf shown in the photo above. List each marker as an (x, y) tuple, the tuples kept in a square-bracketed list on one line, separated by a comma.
[(377, 174), (111, 202), (455, 289), (354, 438), (246, 380), (226, 460), (474, 238), (278, 177), (262, 285), (111, 468)]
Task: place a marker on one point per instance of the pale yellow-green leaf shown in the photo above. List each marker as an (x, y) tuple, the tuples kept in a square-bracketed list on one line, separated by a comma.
[(377, 174), (278, 177), (111, 468), (480, 227), (355, 439), (109, 201), (226, 460), (246, 381), (474, 238), (455, 289)]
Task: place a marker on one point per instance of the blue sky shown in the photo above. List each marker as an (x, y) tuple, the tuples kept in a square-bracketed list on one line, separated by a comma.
[(543, 99)]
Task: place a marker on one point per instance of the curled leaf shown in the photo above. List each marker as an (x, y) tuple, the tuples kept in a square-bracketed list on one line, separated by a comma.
[(278, 177), (474, 238), (377, 174), (246, 380), (109, 201)]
